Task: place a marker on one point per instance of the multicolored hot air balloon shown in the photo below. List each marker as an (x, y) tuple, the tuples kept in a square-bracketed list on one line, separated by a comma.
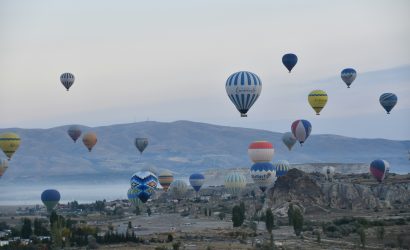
[(263, 174), (243, 88), (281, 167), (67, 79), (197, 180), (235, 182), (178, 188), (74, 132), (289, 140), (165, 178), (317, 99), (289, 60), (379, 169), (261, 151), (4, 164), (328, 171), (50, 198), (348, 76), (132, 195), (141, 144), (388, 101), (144, 184), (301, 130), (89, 140), (9, 143)]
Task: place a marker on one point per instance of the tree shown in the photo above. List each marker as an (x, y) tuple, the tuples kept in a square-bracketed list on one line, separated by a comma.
[(53, 217), (380, 233), (237, 216), (149, 211), (297, 221), (362, 235), (221, 215), (137, 210), (26, 230), (129, 225), (290, 214), (269, 222)]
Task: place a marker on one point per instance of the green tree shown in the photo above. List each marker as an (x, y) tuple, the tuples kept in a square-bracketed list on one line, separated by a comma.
[(149, 211), (53, 217), (290, 214), (237, 216), (26, 230), (129, 224), (362, 235), (270, 223), (297, 221)]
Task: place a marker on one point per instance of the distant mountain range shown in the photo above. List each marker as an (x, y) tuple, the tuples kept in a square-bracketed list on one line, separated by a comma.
[(182, 146)]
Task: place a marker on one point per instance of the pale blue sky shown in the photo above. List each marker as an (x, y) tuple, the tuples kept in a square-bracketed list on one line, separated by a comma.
[(169, 60)]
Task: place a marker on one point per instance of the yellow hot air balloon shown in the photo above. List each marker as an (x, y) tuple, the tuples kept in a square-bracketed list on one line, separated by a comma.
[(9, 143), (89, 140), (317, 99)]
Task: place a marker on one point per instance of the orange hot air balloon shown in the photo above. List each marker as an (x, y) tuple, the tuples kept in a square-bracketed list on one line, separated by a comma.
[(89, 140)]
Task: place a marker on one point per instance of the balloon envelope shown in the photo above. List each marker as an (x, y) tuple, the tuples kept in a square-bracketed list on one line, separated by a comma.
[(328, 171), (243, 88), (289, 60), (50, 198), (165, 178), (281, 167), (144, 183), (388, 101), (301, 130), (4, 164), (348, 75), (289, 140), (197, 180), (74, 132), (89, 140), (9, 143), (67, 79), (379, 169), (235, 182), (141, 144), (178, 188), (317, 100), (263, 174), (132, 195), (261, 151)]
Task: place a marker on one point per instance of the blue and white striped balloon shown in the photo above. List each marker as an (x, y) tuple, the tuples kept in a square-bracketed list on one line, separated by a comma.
[(243, 88), (196, 181), (348, 76), (388, 101), (235, 182), (67, 79), (281, 167)]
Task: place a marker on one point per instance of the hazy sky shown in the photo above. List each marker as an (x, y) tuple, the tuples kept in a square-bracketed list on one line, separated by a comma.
[(169, 60)]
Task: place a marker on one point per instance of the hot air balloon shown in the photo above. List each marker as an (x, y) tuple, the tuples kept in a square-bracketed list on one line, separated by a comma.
[(74, 132), (289, 140), (67, 79), (89, 140), (301, 130), (141, 144), (328, 171), (348, 76), (9, 143), (261, 151), (388, 101), (4, 164), (289, 60), (144, 183), (196, 181), (132, 195), (50, 198), (281, 167), (263, 174), (178, 188), (235, 182), (243, 88), (379, 168), (317, 99), (165, 178)]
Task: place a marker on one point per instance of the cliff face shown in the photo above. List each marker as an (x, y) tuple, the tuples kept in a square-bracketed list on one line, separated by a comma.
[(353, 192)]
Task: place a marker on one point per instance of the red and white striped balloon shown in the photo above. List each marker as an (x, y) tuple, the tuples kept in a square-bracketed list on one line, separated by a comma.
[(261, 151)]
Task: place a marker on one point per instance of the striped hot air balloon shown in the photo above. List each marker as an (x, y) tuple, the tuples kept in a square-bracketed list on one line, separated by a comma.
[(178, 188), (348, 75), (197, 180), (289, 140), (165, 178), (132, 195), (261, 151), (50, 198), (243, 88), (379, 169), (301, 130), (141, 144), (67, 79), (263, 174), (388, 101), (317, 99), (235, 182), (281, 167), (9, 143), (144, 183)]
